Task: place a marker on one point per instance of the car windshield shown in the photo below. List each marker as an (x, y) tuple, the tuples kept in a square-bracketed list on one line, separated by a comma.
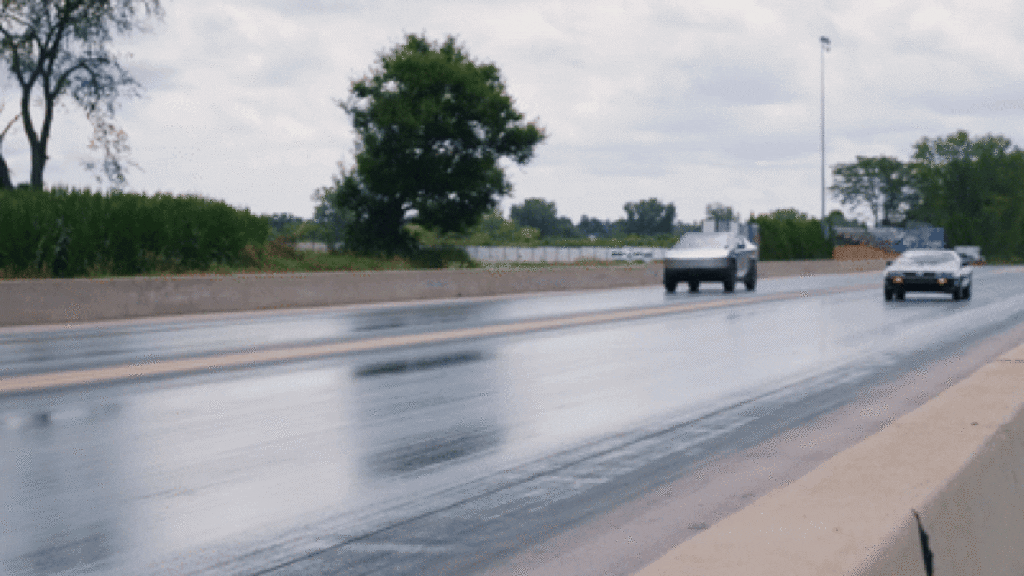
[(926, 259), (701, 240)]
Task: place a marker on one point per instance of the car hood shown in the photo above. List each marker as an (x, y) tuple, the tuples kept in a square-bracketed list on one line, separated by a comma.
[(696, 253), (939, 269)]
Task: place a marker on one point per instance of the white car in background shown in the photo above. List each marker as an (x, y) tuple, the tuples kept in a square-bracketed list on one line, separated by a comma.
[(632, 254)]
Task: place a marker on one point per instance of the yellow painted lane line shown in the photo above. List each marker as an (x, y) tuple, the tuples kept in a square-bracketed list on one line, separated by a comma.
[(247, 359)]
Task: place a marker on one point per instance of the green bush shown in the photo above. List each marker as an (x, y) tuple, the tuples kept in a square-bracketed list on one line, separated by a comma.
[(71, 232), (785, 237), (441, 257)]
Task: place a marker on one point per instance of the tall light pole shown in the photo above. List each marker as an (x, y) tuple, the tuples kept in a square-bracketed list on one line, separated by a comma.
[(826, 45)]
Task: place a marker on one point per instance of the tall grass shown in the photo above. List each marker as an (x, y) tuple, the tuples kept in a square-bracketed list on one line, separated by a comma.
[(75, 232)]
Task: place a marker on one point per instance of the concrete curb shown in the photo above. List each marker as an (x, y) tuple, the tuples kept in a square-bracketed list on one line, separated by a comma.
[(26, 302), (947, 476)]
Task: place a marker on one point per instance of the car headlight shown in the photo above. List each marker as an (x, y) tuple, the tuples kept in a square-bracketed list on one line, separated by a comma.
[(942, 281), (897, 279)]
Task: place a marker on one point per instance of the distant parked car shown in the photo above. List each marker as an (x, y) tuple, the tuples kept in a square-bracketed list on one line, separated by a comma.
[(970, 254), (630, 254), (621, 254), (928, 271), (726, 257)]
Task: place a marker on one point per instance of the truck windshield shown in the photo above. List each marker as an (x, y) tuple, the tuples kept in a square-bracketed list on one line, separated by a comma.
[(701, 240)]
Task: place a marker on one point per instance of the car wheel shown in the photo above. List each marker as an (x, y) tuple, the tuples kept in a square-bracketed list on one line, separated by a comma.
[(958, 293), (670, 287), (729, 284), (750, 281), (694, 285), (901, 295), (888, 295), (967, 293)]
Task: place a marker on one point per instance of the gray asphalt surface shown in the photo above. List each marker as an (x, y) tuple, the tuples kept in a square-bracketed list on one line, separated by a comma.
[(429, 459)]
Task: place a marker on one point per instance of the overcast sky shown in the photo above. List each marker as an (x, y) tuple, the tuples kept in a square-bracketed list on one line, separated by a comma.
[(689, 101)]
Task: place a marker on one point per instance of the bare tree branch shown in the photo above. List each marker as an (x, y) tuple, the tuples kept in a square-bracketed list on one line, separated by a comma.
[(57, 48)]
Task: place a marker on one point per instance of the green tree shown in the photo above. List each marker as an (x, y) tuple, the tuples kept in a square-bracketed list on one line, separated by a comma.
[(494, 230), (542, 215), (649, 217), (879, 183), (720, 212), (974, 189), (594, 227), (56, 48), (788, 234), (330, 220), (432, 126)]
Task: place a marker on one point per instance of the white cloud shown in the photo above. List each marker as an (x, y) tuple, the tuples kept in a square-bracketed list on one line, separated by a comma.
[(691, 102)]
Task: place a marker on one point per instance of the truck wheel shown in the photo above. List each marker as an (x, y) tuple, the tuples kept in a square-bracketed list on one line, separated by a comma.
[(730, 276), (670, 287), (958, 293), (888, 295), (750, 281), (967, 293), (901, 295), (694, 285)]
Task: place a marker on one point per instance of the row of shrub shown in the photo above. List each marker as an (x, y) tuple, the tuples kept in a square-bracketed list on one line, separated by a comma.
[(792, 239), (73, 232)]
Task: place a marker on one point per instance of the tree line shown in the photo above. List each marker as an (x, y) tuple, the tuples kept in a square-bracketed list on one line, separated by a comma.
[(433, 127), (972, 187), (534, 221), (435, 131)]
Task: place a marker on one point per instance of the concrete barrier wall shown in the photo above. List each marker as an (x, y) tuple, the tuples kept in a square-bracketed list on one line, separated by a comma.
[(815, 267), (958, 461), (78, 300)]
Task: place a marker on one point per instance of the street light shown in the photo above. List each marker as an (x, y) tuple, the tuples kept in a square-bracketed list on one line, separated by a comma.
[(826, 45)]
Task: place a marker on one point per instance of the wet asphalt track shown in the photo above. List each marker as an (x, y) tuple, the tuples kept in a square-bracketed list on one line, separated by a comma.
[(441, 458)]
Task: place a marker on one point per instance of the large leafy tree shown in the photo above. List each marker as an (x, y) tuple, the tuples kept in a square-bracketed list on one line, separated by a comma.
[(880, 184), (649, 217), (542, 215), (59, 48), (974, 189), (432, 127)]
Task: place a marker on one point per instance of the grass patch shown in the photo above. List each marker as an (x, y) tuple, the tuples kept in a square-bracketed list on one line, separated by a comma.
[(317, 262)]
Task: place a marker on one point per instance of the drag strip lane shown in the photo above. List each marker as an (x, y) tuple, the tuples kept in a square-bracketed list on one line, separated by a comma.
[(162, 368)]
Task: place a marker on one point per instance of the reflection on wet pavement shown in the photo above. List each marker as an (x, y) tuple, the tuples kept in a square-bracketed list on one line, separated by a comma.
[(425, 411), (323, 463), (423, 315)]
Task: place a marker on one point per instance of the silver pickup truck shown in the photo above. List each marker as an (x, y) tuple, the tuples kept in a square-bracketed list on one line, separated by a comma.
[(714, 255)]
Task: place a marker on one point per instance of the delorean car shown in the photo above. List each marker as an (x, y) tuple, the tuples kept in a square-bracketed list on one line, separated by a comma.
[(928, 271)]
